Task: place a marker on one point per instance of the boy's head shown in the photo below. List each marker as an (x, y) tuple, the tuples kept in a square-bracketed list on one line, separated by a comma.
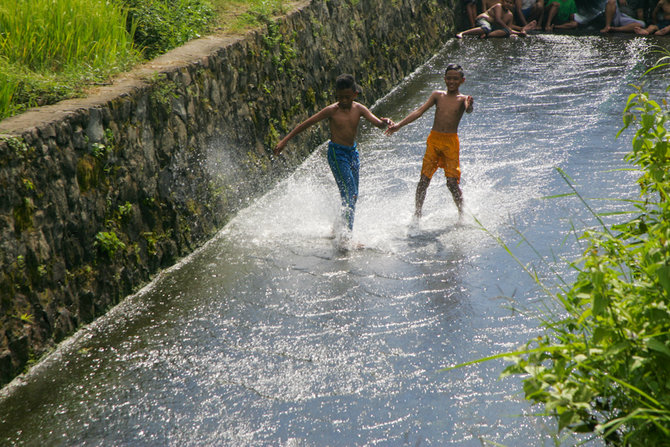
[(454, 77), (346, 90)]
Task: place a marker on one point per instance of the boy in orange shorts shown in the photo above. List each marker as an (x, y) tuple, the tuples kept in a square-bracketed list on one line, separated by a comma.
[(442, 146)]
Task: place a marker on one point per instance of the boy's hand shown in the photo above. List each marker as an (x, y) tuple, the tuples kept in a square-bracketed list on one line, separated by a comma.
[(391, 129), (469, 103), (278, 148), (387, 121)]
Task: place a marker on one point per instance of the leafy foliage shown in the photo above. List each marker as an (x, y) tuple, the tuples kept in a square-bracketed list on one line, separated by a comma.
[(161, 25), (258, 12), (603, 367), (108, 243)]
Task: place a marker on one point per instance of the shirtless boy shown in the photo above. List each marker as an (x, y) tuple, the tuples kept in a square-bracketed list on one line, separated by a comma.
[(497, 21), (442, 146), (658, 27), (343, 117)]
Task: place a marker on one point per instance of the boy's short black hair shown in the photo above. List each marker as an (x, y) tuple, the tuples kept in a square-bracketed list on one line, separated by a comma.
[(345, 81), (454, 67)]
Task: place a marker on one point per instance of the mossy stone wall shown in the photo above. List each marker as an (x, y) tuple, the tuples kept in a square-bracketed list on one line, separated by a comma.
[(99, 194)]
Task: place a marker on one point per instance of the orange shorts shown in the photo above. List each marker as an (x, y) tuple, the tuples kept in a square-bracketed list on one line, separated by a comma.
[(442, 152)]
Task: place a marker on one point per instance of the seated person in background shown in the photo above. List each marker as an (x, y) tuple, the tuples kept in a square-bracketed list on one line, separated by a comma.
[(560, 14), (619, 21), (642, 9), (497, 21), (658, 27), (487, 4), (528, 10)]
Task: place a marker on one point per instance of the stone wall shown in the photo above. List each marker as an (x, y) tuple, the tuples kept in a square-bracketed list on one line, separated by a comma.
[(100, 193)]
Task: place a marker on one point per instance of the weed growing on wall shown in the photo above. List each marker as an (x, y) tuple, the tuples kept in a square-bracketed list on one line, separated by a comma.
[(108, 243)]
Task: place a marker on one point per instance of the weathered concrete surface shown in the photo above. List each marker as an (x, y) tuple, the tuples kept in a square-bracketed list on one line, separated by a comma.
[(100, 193)]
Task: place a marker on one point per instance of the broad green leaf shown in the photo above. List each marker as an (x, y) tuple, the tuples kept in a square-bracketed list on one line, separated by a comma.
[(658, 346)]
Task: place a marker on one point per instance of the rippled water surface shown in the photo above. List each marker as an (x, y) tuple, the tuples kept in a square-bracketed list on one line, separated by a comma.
[(271, 336)]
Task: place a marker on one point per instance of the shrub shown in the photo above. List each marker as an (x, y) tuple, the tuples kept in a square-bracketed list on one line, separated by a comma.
[(603, 367), (161, 25)]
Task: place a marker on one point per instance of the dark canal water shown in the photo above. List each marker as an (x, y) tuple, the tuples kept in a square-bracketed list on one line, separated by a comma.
[(270, 336)]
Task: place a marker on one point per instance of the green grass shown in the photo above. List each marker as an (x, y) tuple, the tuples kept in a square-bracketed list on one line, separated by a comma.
[(239, 15), (52, 50), (47, 35)]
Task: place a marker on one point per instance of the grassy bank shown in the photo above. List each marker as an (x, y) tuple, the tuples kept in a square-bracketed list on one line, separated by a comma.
[(52, 50)]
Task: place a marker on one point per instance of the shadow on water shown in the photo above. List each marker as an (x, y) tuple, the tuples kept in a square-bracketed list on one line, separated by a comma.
[(269, 335)]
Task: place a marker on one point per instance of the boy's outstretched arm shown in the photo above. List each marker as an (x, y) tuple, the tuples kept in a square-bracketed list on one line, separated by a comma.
[(319, 116), (412, 116), (381, 123)]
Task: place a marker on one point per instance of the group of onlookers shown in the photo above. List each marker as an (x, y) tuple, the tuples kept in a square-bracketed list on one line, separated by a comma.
[(505, 18)]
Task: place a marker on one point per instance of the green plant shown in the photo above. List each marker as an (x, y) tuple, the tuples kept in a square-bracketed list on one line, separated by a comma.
[(124, 211), (602, 368), (17, 144), (108, 243), (50, 49), (52, 34), (256, 12), (601, 365), (99, 150), (160, 25)]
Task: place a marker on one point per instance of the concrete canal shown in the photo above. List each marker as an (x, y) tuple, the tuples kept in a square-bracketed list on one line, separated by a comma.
[(269, 335)]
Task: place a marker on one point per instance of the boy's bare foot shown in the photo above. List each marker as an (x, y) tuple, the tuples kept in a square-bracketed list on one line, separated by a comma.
[(549, 28), (606, 29), (641, 31), (530, 26)]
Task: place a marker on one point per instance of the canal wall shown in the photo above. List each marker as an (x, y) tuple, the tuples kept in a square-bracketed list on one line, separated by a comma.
[(100, 193)]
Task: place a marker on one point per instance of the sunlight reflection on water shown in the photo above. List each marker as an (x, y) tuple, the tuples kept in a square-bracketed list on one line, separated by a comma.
[(271, 336)]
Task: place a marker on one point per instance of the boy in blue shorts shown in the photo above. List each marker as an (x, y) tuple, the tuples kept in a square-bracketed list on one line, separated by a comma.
[(343, 117)]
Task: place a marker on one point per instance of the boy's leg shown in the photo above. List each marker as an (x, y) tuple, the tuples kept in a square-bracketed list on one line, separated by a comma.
[(344, 165), (553, 9), (538, 12), (420, 196), (478, 31), (610, 11), (471, 9), (456, 193)]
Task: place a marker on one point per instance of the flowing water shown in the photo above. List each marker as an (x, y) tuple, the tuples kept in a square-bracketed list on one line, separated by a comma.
[(269, 335)]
